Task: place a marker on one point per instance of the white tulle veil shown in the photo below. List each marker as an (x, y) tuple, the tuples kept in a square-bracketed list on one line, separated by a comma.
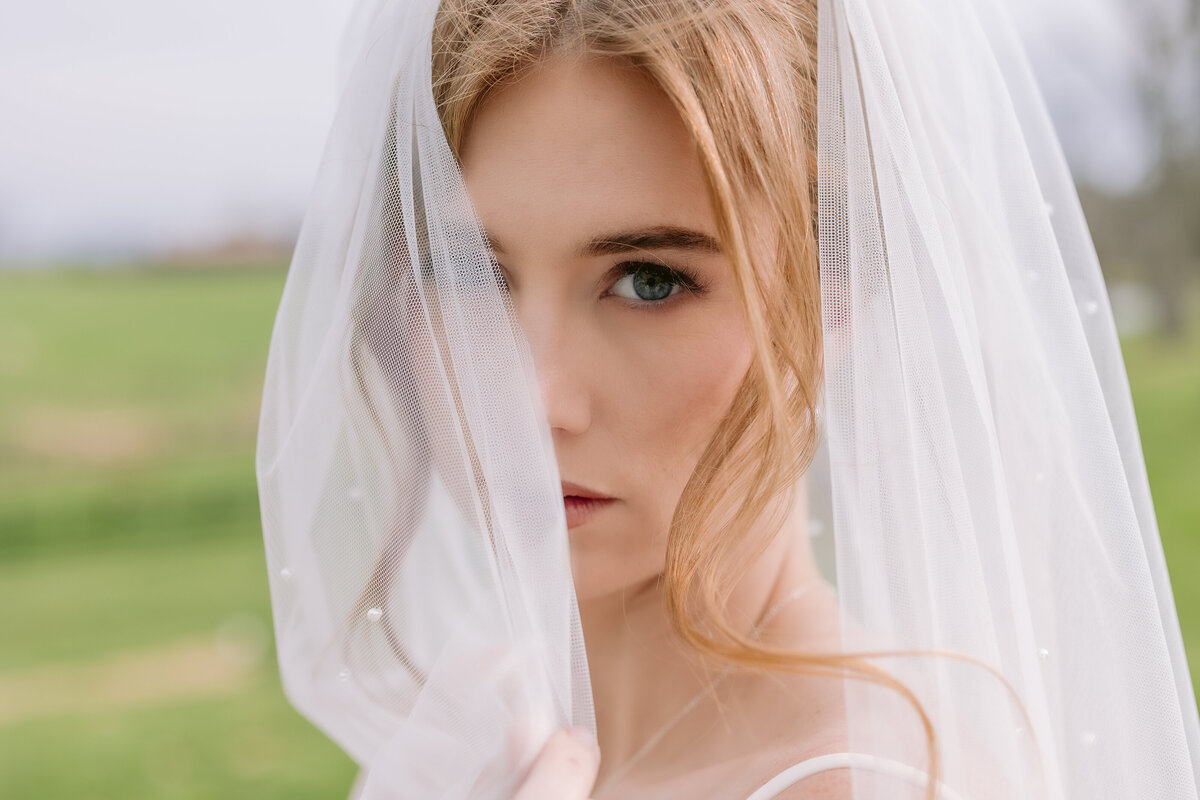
[(980, 482)]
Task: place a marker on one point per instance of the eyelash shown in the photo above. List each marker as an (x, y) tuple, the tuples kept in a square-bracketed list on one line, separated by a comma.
[(681, 276)]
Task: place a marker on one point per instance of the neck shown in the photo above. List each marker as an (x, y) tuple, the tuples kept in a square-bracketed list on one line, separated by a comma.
[(643, 673)]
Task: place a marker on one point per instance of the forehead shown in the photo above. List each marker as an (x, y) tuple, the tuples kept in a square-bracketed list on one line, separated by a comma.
[(577, 145)]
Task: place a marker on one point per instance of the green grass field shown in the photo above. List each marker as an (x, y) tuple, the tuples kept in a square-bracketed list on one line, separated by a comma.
[(136, 656)]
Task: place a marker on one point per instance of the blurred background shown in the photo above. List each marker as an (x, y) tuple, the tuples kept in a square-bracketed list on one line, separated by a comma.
[(155, 162)]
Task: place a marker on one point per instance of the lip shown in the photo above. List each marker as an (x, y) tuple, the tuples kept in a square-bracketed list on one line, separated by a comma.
[(581, 503), (579, 510), (575, 490)]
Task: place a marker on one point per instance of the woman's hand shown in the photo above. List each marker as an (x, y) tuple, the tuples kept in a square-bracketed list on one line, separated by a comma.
[(565, 769)]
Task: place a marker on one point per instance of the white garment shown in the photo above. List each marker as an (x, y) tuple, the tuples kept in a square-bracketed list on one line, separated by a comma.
[(806, 769), (823, 763)]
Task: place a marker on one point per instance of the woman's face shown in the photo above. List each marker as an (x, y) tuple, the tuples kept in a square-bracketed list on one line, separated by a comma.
[(592, 194)]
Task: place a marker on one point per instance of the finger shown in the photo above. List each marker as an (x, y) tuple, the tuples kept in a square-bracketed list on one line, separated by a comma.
[(520, 744), (565, 769)]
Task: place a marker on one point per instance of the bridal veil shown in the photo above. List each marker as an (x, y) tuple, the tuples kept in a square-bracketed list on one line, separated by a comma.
[(980, 480)]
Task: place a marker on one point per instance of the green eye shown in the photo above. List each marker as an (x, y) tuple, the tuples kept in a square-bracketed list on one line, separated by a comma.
[(647, 283)]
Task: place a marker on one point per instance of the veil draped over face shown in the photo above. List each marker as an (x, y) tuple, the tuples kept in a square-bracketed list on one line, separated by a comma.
[(980, 476)]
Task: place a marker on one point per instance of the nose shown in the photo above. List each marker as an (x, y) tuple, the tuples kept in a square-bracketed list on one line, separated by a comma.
[(559, 358)]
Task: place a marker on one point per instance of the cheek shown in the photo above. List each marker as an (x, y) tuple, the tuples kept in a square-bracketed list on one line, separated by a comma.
[(667, 382), (683, 387)]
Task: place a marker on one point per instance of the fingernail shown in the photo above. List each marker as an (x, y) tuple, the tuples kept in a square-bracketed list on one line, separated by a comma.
[(583, 736)]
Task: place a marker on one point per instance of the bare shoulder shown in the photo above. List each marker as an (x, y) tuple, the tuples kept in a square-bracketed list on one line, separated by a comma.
[(830, 785)]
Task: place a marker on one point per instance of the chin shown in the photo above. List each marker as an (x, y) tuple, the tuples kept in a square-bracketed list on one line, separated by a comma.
[(600, 572)]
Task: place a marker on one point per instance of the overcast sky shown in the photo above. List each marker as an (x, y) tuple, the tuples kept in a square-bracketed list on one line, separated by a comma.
[(136, 126), (142, 124)]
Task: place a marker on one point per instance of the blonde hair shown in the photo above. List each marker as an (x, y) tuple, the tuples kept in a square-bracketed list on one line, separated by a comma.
[(743, 77)]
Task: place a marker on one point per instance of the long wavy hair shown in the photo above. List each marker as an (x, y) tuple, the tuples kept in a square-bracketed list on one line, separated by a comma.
[(743, 78)]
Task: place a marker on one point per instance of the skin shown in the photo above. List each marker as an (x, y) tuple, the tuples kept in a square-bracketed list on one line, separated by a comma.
[(575, 153)]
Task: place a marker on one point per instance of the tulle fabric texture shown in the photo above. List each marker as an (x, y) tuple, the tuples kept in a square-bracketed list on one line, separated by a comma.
[(989, 494), (981, 475), (415, 536)]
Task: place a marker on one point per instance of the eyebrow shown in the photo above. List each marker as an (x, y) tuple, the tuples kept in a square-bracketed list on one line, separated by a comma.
[(657, 237)]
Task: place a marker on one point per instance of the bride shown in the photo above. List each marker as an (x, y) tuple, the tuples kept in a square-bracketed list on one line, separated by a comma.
[(606, 315), (592, 191)]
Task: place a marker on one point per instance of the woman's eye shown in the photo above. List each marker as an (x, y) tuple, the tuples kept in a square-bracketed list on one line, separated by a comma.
[(647, 283)]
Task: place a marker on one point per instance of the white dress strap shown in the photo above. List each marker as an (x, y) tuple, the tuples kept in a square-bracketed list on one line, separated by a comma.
[(811, 766)]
